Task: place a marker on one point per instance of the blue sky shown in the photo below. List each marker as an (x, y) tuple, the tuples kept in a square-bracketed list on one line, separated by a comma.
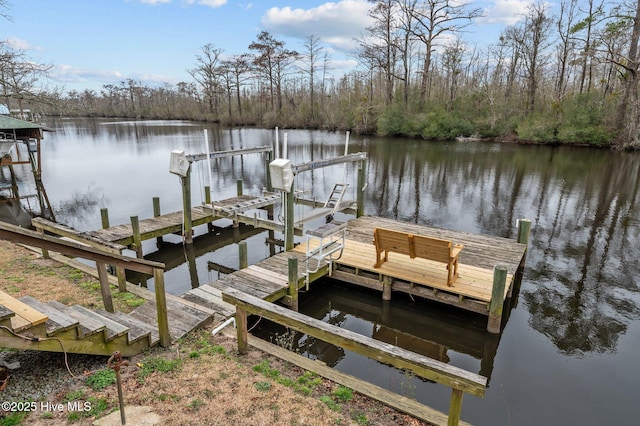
[(95, 42)]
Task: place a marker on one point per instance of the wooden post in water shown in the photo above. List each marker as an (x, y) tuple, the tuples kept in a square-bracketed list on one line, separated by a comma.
[(161, 307), (293, 282), (241, 327), (524, 227), (386, 287), (362, 179), (137, 239), (207, 201), (497, 299), (104, 215), (455, 407), (156, 213), (239, 187), (289, 221), (268, 158), (186, 206), (242, 254), (103, 276)]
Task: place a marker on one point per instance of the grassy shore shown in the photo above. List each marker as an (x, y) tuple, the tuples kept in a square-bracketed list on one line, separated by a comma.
[(199, 380)]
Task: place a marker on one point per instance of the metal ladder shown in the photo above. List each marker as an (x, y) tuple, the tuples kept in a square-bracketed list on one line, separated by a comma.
[(335, 198)]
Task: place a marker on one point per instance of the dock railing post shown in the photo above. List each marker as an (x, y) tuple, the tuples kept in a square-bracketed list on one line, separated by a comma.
[(186, 206), (293, 282), (137, 239), (497, 299), (156, 213), (242, 254), (207, 201), (161, 307), (362, 171), (268, 159), (241, 329)]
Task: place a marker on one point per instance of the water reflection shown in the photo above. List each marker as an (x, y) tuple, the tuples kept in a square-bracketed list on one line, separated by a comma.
[(583, 288)]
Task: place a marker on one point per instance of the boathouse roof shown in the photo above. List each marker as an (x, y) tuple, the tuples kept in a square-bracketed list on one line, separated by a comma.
[(22, 129)]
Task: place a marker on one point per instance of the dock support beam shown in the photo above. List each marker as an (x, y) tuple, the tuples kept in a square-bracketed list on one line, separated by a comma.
[(497, 299), (455, 407), (186, 206), (524, 227), (103, 276), (293, 282)]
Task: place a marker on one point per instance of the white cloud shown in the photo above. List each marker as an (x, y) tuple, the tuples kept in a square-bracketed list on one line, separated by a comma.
[(210, 3), (18, 44), (337, 24), (67, 74), (155, 1), (506, 12)]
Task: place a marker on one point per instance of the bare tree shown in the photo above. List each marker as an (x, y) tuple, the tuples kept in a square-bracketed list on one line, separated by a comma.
[(207, 74), (272, 61), (565, 23), (20, 77), (239, 67), (311, 59), (627, 116), (435, 19), (534, 44)]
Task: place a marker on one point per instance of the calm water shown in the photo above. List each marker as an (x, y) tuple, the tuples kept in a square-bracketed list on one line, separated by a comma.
[(569, 352)]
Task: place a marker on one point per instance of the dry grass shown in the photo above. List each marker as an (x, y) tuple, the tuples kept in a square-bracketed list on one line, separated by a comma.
[(209, 384)]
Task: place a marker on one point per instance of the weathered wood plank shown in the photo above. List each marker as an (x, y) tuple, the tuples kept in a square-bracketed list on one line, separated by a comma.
[(422, 366)]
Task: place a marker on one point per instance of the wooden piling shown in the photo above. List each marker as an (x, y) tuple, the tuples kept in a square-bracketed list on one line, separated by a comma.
[(137, 238), (497, 299), (207, 201), (104, 215), (239, 187), (386, 287), (161, 307), (455, 407), (524, 228), (289, 221), (292, 292), (242, 254), (241, 327), (156, 213), (362, 179), (267, 160), (103, 276), (45, 252), (186, 207)]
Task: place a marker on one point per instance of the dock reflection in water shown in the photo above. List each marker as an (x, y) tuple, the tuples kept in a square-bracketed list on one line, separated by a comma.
[(418, 325)]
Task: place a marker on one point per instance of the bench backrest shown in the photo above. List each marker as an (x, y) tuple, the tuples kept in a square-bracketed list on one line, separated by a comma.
[(413, 245), (432, 248), (395, 241)]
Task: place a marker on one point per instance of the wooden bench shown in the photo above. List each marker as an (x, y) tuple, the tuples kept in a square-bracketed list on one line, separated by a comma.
[(414, 246)]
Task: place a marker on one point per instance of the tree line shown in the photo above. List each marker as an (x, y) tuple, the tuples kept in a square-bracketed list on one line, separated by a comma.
[(570, 77)]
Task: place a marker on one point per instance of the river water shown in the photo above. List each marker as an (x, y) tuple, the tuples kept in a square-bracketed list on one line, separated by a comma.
[(569, 350)]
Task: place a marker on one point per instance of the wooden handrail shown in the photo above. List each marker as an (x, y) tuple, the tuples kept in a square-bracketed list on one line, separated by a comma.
[(20, 235), (461, 381)]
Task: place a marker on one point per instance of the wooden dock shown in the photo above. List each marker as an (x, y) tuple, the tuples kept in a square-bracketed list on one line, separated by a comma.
[(472, 291)]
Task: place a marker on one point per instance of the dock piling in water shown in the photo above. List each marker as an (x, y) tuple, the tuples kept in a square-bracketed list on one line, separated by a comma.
[(497, 299)]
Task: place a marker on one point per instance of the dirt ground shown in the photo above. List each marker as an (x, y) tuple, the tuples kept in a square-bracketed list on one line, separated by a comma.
[(200, 380)]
